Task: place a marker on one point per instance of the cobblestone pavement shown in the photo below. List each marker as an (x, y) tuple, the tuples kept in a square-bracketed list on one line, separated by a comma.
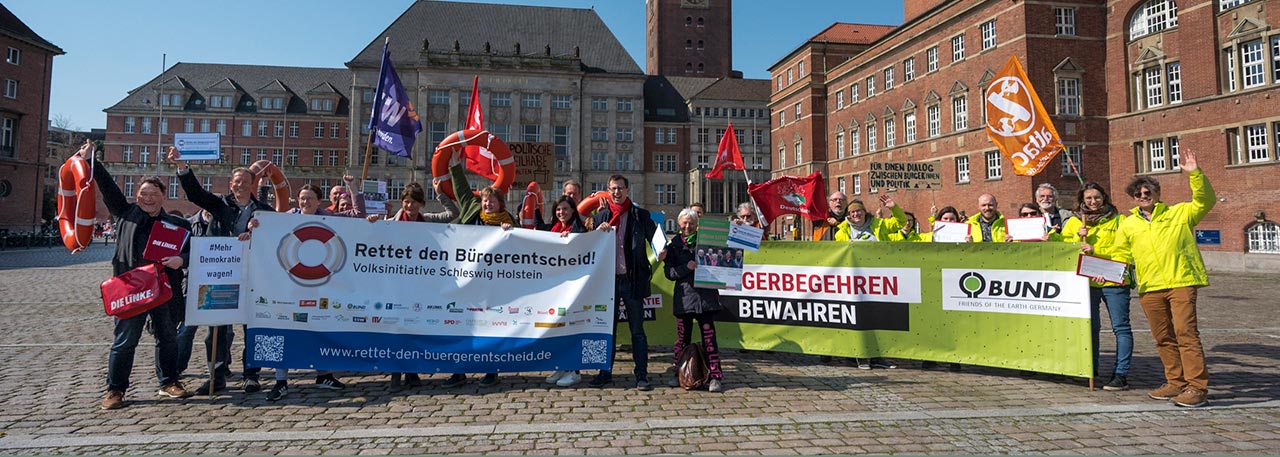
[(54, 342)]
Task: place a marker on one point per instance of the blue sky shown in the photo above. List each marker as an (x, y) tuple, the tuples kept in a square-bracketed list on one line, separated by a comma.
[(115, 46)]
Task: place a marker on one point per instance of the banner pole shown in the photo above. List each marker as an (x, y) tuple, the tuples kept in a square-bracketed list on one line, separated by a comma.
[(213, 357), (368, 153)]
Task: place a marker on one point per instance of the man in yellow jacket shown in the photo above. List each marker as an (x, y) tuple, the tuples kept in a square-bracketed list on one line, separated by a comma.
[(988, 225), (1159, 241)]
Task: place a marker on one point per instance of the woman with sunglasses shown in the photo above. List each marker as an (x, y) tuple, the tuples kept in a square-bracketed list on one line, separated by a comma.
[(1095, 224)]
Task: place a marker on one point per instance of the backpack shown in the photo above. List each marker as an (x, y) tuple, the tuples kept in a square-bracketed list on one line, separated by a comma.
[(691, 368)]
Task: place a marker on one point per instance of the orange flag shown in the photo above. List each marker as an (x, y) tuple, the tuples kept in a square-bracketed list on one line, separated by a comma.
[(1017, 123)]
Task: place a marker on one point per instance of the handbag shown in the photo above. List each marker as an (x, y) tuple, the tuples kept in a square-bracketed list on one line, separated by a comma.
[(136, 291), (691, 368)]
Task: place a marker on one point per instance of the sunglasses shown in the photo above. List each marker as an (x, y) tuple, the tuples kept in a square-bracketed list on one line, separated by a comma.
[(1030, 214), (1143, 193)]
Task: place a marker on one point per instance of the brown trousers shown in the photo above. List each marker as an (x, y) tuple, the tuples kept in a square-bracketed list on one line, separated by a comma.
[(1172, 316)]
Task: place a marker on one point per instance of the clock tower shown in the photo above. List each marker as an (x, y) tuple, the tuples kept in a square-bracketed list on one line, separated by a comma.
[(689, 37)]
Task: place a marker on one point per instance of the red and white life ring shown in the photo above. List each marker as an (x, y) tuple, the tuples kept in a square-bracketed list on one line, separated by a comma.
[(76, 203), (279, 183), (452, 147), (529, 209), (592, 203), (310, 275)]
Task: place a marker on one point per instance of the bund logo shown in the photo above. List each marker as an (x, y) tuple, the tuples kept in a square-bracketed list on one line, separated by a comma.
[(1011, 111), (312, 253), (972, 284)]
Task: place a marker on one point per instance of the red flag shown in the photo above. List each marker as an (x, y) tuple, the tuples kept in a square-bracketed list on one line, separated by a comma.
[(728, 155), (479, 160), (791, 195)]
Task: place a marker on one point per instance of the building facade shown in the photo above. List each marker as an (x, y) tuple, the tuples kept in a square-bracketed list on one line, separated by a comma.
[(689, 38), (26, 73), (1111, 76), (294, 117)]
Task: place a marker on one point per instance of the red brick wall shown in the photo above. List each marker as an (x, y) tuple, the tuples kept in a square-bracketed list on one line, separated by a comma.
[(666, 33), (21, 209)]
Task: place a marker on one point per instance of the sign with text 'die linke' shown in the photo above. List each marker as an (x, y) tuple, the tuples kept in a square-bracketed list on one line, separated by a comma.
[(1008, 305), (344, 294)]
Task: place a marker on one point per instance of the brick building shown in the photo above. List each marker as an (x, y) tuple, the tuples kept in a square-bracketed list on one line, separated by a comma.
[(1110, 75), (689, 38), (295, 117), (24, 115)]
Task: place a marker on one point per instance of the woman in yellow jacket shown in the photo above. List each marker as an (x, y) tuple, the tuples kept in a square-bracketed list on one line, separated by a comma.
[(1095, 224), (859, 226)]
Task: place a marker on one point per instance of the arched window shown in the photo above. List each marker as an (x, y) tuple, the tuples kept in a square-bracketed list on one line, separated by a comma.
[(1153, 16), (688, 67), (701, 22), (688, 44), (1264, 238), (688, 21), (701, 45), (700, 67)]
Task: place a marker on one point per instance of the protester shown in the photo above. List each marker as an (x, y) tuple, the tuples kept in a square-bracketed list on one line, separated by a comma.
[(334, 193), (187, 335), (747, 215), (1160, 243), (946, 214), (633, 228), (133, 222), (858, 226), (572, 190), (231, 214), (689, 302), (824, 230), (1095, 224), (988, 225), (567, 221), (1047, 205), (700, 208), (909, 232)]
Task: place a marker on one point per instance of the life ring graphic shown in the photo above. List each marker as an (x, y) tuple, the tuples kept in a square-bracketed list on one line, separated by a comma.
[(451, 148), (76, 203), (529, 209), (291, 253), (278, 182), (592, 203)]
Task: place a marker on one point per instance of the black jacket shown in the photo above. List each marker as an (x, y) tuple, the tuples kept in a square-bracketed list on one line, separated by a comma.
[(687, 299), (225, 211), (640, 229), (133, 228)]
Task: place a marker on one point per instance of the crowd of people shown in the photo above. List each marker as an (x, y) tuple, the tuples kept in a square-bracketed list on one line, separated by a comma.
[(1155, 238)]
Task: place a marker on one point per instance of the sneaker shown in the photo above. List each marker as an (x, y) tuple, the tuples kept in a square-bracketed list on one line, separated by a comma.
[(1191, 398), (174, 390), (569, 379), (864, 364), (204, 388), (454, 381), (412, 380), (673, 382), (251, 385), (715, 386), (643, 385), (329, 382), (279, 391), (555, 377), (1164, 392), (601, 379), (489, 380), (881, 363), (1117, 382), (113, 400)]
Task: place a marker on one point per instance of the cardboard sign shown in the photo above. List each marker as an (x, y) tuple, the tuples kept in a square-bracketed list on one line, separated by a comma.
[(906, 175)]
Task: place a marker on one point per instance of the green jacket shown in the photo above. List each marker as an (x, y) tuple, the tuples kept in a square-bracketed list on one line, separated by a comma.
[(1102, 236), (882, 228), (1163, 250), (997, 228)]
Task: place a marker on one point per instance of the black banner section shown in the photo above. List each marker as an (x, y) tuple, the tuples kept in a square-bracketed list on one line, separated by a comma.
[(813, 313)]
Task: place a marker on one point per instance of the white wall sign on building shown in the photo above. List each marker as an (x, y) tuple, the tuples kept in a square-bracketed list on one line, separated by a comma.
[(198, 146)]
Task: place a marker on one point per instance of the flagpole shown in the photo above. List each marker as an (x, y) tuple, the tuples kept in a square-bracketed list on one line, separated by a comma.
[(373, 128)]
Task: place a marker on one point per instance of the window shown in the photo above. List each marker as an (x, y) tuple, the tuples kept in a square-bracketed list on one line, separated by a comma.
[(438, 97), (277, 156), (1155, 88), (839, 145), (279, 131), (801, 68), (599, 134), (1255, 137), (797, 111), (262, 128), (189, 126), (10, 88), (531, 100), (908, 69), (988, 34), (1069, 96), (1173, 153), (146, 125), (840, 184), (1155, 157), (840, 100), (14, 57), (934, 118), (888, 78), (1264, 238), (659, 135), (1071, 155), (1231, 70), (782, 157), (145, 156), (871, 138), (782, 117), (531, 132), (1064, 21), (173, 187), (666, 193), (799, 152), (128, 185), (561, 101), (909, 123), (204, 126), (625, 135), (599, 160), (1173, 74), (624, 105), (791, 76), (857, 184), (262, 154), (599, 104), (164, 126), (757, 136), (1275, 59), (129, 124), (931, 58), (1251, 64), (317, 158), (500, 99), (128, 150), (317, 104), (666, 163), (246, 128), (890, 136), (335, 159), (704, 135), (740, 135), (222, 126), (293, 158), (208, 184), (993, 164), (957, 48), (335, 130), (437, 131), (854, 137), (318, 132), (1224, 5), (853, 93), (871, 86), (960, 113), (245, 157), (1153, 16)]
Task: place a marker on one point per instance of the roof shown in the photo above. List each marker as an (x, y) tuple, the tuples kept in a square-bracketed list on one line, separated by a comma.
[(14, 27), (689, 86), (662, 101), (472, 25), (844, 32), (737, 89), (205, 77)]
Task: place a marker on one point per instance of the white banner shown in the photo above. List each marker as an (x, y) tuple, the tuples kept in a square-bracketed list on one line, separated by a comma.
[(1037, 292), (214, 281), (198, 146)]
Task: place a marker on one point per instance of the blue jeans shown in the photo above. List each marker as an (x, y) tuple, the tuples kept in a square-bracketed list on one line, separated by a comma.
[(128, 332), (1117, 300), (635, 321)]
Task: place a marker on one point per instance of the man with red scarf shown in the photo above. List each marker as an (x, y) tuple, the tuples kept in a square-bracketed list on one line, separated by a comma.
[(634, 229)]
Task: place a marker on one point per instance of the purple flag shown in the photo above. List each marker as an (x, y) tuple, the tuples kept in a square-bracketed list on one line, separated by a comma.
[(394, 123)]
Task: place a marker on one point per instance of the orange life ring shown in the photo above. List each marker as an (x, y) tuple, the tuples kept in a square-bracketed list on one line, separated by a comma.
[(278, 182), (532, 202), (451, 148), (592, 203), (77, 200)]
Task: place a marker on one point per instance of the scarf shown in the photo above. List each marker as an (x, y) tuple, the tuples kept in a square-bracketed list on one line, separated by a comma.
[(560, 227), (861, 232), (1091, 218), (405, 217), (498, 218), (618, 210), (690, 240)]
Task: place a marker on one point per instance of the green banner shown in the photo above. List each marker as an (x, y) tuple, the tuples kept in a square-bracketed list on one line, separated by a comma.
[(1009, 305)]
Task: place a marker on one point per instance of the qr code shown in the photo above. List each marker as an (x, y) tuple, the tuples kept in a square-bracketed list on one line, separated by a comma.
[(268, 348), (595, 351)]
